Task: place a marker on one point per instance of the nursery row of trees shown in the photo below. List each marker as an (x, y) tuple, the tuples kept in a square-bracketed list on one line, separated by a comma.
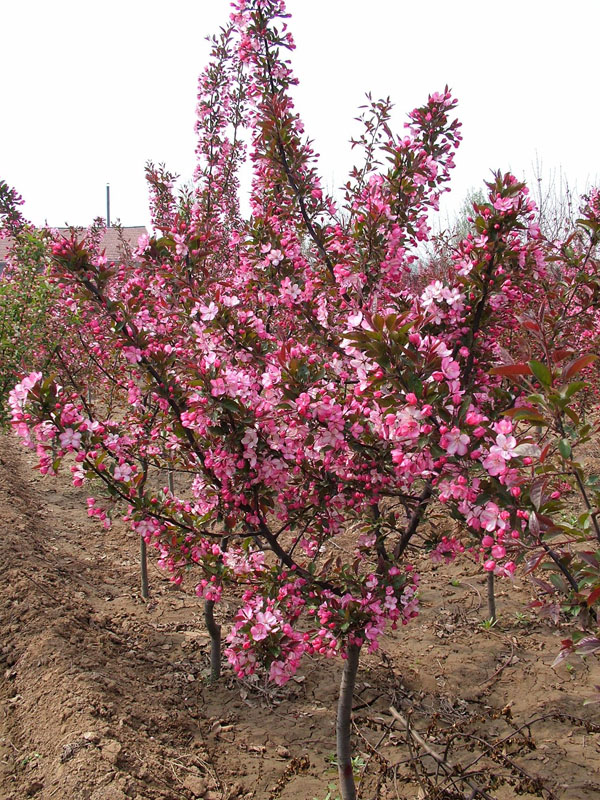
[(304, 378)]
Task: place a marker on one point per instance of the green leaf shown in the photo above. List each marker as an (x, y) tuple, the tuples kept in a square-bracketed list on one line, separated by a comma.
[(568, 391), (464, 406), (583, 520), (558, 582), (572, 416), (541, 372), (413, 383), (564, 448), (229, 404)]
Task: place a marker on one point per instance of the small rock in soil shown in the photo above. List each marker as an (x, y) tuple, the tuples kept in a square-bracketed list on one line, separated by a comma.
[(196, 785), (111, 750)]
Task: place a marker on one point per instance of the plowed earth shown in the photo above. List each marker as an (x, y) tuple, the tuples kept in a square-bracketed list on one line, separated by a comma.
[(106, 697)]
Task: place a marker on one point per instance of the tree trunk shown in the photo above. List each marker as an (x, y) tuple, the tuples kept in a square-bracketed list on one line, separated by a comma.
[(344, 715), (491, 596), (144, 567), (215, 640)]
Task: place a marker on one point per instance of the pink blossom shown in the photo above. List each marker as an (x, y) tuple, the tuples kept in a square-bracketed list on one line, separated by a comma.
[(506, 445), (70, 439), (455, 442), (495, 461), (123, 472), (132, 354), (450, 368), (498, 551), (209, 312), (492, 517)]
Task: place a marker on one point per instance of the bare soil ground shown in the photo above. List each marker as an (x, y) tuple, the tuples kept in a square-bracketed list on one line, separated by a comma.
[(105, 697)]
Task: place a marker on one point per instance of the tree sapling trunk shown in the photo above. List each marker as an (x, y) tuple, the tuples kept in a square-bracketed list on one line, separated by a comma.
[(215, 639), (144, 567), (344, 715), (143, 548), (491, 596)]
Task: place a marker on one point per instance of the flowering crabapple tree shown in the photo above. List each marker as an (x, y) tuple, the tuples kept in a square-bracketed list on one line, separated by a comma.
[(28, 334), (554, 384), (550, 349), (312, 404), (37, 328)]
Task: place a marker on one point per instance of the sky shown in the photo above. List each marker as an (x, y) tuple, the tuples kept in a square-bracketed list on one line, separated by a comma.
[(92, 91)]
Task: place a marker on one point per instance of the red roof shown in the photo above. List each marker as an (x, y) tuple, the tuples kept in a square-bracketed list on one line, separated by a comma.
[(111, 241)]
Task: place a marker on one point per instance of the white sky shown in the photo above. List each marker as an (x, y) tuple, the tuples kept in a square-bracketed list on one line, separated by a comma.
[(91, 91)]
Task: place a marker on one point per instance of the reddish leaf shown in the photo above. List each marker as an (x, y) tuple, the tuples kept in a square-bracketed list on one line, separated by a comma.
[(527, 414), (593, 597), (589, 558), (546, 523), (546, 587), (587, 646), (534, 525), (511, 369), (566, 650), (537, 491), (534, 563), (559, 355), (576, 366)]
